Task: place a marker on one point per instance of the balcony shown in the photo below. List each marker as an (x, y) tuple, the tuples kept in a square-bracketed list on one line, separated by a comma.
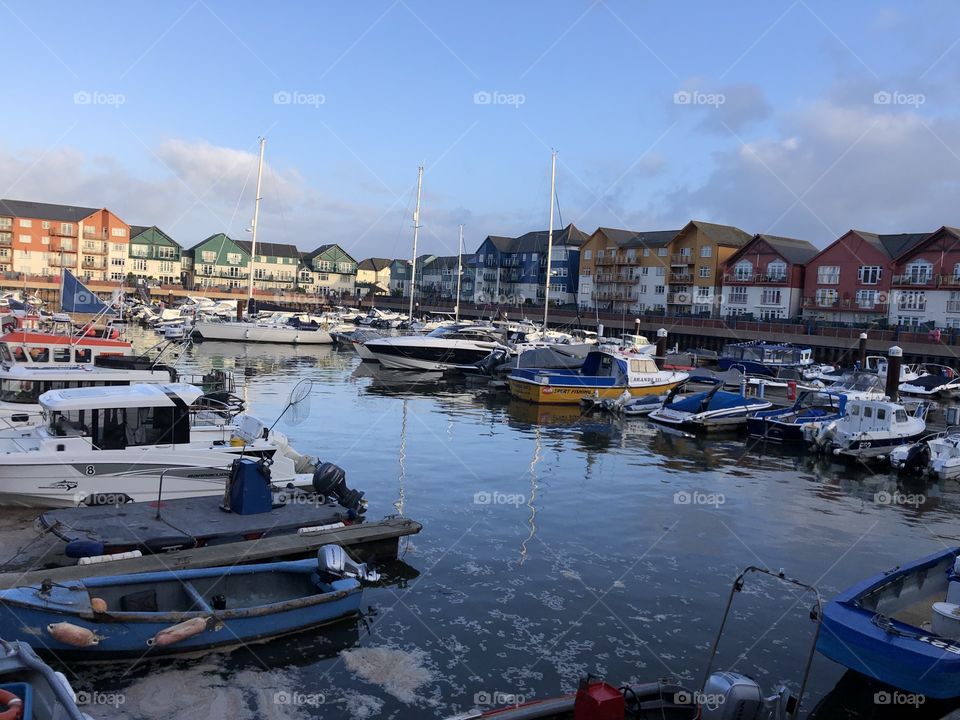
[(67, 261), (686, 278), (93, 265), (60, 233), (681, 259), (754, 279), (737, 299), (97, 248), (915, 280), (812, 303), (605, 260), (6, 239), (678, 298), (94, 235)]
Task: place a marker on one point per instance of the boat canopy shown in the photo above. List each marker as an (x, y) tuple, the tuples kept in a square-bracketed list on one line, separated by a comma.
[(129, 396)]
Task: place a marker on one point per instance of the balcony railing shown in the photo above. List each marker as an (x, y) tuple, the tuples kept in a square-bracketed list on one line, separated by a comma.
[(6, 239), (678, 298), (92, 265), (777, 300), (812, 303), (605, 260), (737, 299), (755, 278), (60, 233), (681, 259), (680, 278), (916, 280)]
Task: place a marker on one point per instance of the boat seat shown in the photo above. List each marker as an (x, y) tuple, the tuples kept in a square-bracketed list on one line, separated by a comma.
[(141, 601), (946, 620)]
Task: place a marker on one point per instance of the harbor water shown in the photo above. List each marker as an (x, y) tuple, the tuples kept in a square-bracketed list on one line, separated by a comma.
[(553, 546)]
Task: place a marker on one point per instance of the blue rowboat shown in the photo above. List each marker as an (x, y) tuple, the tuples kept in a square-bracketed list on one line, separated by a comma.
[(901, 627), (172, 612)]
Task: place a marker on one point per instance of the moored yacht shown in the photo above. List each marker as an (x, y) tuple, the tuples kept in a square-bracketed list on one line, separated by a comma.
[(131, 442), (443, 349)]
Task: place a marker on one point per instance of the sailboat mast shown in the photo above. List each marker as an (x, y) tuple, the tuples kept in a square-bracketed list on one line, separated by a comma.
[(416, 233), (546, 289), (456, 307), (256, 218)]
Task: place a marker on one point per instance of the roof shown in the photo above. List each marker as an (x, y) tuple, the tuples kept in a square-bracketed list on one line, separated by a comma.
[(724, 235), (271, 249), (536, 241), (638, 238), (893, 245), (121, 396), (443, 261), (376, 264), (45, 211), (794, 251), (137, 230)]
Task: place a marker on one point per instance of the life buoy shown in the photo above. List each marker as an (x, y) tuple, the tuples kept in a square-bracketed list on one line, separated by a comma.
[(14, 705)]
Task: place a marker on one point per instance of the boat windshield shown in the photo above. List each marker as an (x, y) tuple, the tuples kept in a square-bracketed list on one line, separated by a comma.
[(118, 428)]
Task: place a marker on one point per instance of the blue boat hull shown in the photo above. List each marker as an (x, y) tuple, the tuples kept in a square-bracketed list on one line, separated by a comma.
[(909, 659), (26, 614)]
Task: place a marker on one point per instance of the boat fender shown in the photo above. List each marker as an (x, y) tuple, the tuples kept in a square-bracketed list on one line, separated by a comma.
[(98, 605), (14, 706), (74, 635), (179, 632), (83, 548)]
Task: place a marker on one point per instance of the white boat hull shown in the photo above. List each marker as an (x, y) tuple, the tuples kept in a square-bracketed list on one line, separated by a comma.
[(251, 332)]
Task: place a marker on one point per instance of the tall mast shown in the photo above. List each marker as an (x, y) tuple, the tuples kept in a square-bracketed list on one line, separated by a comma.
[(416, 232), (456, 307), (546, 289), (256, 218)]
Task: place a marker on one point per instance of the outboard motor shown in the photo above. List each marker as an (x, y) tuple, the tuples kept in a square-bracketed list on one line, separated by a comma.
[(729, 695), (491, 361), (331, 480), (334, 563)]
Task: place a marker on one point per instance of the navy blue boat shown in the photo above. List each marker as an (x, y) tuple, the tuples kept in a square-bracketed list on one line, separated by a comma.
[(713, 409), (761, 358), (785, 425), (901, 627), (171, 612)]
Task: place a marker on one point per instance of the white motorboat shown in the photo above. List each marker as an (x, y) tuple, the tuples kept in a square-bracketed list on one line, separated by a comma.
[(134, 442), (290, 333), (443, 349), (934, 380), (870, 429), (937, 455)]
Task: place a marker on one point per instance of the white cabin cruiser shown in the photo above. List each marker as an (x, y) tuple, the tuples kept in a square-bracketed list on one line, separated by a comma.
[(127, 441), (292, 331), (870, 429), (934, 380), (443, 349), (937, 455)]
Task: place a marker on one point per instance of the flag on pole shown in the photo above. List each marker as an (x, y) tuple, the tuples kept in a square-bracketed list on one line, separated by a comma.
[(75, 297)]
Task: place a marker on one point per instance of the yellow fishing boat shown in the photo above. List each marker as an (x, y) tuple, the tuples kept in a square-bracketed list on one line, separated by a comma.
[(606, 373)]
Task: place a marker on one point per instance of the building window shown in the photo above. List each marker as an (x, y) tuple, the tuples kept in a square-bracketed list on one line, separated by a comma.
[(704, 271), (209, 256), (706, 251), (646, 252), (826, 297), (743, 271), (915, 300), (45, 224), (661, 271), (770, 296), (118, 232), (643, 289), (738, 295), (866, 299), (777, 270), (869, 274), (118, 262), (24, 223), (66, 228), (644, 271), (828, 275), (918, 272), (661, 252), (26, 239), (659, 290), (234, 258), (908, 321)]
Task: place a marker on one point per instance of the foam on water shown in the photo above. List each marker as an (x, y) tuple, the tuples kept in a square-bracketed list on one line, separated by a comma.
[(399, 672)]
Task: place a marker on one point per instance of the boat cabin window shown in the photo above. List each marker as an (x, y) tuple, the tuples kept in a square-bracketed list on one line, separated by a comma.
[(82, 355), (868, 412), (900, 416), (19, 354), (119, 428), (881, 414), (61, 355), (40, 354), (29, 391), (855, 410), (5, 352), (643, 366)]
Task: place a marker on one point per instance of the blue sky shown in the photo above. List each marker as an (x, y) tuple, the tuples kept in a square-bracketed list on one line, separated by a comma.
[(154, 110)]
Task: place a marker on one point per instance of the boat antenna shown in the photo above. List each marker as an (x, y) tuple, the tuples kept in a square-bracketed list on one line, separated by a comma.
[(553, 189)]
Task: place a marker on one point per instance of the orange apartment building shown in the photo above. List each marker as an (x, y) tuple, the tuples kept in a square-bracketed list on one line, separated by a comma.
[(41, 238), (675, 271)]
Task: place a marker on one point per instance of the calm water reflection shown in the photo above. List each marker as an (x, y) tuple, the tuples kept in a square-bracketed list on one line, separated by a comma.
[(553, 545)]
